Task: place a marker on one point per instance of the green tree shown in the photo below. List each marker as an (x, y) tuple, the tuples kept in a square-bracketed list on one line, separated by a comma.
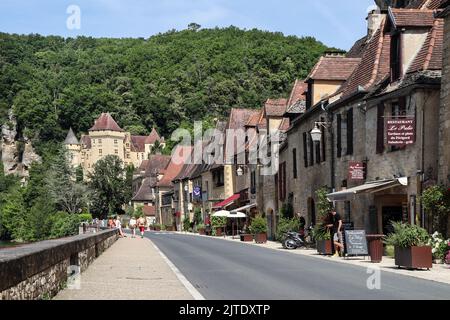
[(108, 186)]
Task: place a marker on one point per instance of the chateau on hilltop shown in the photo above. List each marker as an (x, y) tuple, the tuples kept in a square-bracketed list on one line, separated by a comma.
[(107, 138)]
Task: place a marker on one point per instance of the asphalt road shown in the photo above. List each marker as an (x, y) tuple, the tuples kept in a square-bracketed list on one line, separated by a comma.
[(225, 270)]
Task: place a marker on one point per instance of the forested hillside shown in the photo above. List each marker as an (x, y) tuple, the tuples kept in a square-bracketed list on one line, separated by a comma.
[(56, 83)]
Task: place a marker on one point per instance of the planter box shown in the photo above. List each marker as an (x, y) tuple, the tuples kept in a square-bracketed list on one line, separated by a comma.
[(324, 247), (157, 228), (261, 238), (246, 237), (201, 232), (219, 232), (414, 257), (169, 228)]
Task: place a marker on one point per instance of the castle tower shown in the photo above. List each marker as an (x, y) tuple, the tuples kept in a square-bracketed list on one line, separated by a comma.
[(74, 148), (107, 138)]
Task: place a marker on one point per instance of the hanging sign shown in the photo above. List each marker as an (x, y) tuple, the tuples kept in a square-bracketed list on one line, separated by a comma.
[(356, 170), (400, 131)]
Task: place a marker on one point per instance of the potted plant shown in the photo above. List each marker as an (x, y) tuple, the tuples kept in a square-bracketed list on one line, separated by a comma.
[(439, 247), (321, 233), (201, 228), (259, 229), (157, 227), (323, 240), (411, 246), (217, 224)]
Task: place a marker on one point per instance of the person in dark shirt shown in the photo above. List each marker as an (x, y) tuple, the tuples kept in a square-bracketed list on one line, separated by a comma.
[(337, 233)]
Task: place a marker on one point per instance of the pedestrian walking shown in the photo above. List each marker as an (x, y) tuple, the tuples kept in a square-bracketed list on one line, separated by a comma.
[(142, 222), (133, 225), (118, 225)]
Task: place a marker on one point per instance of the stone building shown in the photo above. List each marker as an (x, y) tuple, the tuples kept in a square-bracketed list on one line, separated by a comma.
[(107, 138)]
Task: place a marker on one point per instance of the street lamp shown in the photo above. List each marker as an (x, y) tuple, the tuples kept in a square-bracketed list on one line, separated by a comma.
[(316, 133)]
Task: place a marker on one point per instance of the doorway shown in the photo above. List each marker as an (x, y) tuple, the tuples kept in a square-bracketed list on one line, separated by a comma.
[(389, 215)]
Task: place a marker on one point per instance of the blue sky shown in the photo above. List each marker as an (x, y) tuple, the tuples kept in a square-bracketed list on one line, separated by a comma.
[(337, 23)]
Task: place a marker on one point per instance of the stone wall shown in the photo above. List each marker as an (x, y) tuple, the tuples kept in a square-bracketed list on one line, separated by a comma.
[(444, 147), (40, 270)]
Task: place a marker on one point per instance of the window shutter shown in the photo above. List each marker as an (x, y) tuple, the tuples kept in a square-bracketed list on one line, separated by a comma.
[(350, 132), (305, 148), (339, 135), (380, 128), (311, 150), (317, 146), (323, 142), (294, 162)]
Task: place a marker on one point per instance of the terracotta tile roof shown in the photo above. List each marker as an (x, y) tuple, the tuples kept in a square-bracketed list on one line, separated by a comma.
[(374, 65), (143, 165), (240, 117), (358, 48), (174, 168), (430, 56), (138, 143), (411, 17), (333, 68), (86, 141), (253, 121), (149, 211), (275, 107), (153, 137), (156, 164), (297, 99), (106, 122), (145, 191), (285, 124)]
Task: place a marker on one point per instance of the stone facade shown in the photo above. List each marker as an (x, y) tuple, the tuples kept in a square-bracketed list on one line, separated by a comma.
[(38, 271), (444, 147)]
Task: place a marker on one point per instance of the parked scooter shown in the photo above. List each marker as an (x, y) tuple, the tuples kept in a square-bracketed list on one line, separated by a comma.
[(295, 240)]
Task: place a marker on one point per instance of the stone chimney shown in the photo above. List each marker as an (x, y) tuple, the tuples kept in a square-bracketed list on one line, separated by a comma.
[(374, 19)]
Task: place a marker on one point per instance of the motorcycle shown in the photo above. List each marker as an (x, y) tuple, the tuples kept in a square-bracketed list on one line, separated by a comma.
[(295, 240)]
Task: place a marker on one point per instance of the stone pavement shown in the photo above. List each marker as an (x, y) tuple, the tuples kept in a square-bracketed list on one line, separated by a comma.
[(132, 269), (439, 273)]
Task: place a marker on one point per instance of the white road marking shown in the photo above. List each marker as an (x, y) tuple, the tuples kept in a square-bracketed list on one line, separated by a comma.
[(189, 287)]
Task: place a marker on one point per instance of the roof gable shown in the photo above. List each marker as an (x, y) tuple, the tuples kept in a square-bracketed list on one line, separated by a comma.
[(106, 123), (332, 67)]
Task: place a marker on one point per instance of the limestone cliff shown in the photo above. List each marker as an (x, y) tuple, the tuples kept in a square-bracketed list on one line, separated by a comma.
[(16, 151)]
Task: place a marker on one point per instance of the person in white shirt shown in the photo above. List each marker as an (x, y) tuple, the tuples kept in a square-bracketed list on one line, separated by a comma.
[(132, 225), (119, 226)]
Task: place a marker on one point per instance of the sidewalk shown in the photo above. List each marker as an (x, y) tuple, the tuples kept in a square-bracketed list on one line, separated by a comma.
[(132, 269), (439, 273)]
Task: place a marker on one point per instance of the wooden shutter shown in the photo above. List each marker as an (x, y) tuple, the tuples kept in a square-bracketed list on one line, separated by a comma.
[(305, 148), (311, 150), (323, 143), (339, 135), (350, 132), (294, 162), (380, 128)]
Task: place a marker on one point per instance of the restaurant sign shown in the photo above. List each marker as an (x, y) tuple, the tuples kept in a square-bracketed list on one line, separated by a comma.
[(400, 131), (356, 170)]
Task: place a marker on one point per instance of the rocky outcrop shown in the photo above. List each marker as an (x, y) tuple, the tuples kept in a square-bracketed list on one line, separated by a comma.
[(17, 153)]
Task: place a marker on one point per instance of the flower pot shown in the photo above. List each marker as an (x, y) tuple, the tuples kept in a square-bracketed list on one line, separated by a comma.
[(261, 238), (218, 232), (324, 247), (414, 257), (201, 232), (246, 237)]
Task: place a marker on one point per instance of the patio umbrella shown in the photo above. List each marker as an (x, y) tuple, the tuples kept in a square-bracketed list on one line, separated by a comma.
[(222, 213), (236, 215)]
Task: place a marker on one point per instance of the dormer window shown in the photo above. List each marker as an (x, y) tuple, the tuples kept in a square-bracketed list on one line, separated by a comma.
[(396, 57)]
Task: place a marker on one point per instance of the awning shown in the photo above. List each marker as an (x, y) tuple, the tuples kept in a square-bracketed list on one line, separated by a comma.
[(370, 187), (244, 208), (227, 202)]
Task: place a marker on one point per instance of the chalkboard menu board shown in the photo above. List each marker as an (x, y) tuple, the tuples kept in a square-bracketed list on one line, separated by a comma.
[(356, 242)]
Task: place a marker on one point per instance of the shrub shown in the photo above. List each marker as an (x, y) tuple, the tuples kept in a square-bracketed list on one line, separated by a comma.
[(64, 225), (85, 217), (259, 225), (321, 232), (439, 246), (407, 235), (218, 222), (286, 225), (198, 216), (201, 226), (186, 223)]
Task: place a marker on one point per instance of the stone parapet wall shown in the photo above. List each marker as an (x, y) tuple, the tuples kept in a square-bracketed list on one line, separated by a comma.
[(40, 270)]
